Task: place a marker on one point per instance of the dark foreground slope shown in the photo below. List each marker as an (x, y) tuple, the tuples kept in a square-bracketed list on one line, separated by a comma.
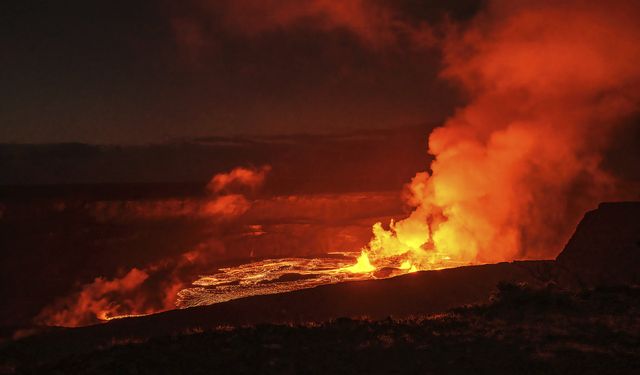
[(410, 295), (605, 248), (522, 331)]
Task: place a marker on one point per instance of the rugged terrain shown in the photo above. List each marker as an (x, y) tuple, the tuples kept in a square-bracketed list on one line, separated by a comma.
[(522, 330)]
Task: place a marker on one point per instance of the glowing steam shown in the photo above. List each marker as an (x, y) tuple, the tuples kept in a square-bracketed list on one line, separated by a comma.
[(516, 167), (238, 178)]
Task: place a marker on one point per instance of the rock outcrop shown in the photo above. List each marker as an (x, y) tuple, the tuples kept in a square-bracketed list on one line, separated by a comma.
[(605, 248)]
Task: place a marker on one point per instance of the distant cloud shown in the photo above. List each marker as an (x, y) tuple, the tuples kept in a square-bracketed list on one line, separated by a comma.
[(376, 25)]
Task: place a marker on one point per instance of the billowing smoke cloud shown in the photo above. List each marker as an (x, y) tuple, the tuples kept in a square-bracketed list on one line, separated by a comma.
[(94, 300), (135, 292), (153, 288), (515, 169)]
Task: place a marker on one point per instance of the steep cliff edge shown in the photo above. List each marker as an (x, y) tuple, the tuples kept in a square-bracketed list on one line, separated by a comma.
[(605, 248)]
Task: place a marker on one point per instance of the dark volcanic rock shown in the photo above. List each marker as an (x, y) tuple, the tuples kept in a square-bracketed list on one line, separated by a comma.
[(605, 249)]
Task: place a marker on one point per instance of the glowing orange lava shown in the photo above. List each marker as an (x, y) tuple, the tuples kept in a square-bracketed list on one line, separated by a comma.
[(272, 276), (363, 265)]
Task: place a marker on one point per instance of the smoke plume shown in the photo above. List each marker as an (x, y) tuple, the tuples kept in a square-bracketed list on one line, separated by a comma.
[(547, 84)]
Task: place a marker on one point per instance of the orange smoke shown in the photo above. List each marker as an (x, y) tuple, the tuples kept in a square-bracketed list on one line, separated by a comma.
[(136, 292), (227, 199), (238, 178), (154, 288), (94, 302), (516, 168)]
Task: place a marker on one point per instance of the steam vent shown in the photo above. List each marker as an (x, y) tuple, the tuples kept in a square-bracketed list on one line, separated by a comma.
[(605, 248)]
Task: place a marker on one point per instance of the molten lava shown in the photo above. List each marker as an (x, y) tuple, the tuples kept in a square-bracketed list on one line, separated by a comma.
[(363, 265), (276, 276)]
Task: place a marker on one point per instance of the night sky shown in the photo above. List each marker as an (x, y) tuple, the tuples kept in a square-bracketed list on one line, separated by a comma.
[(135, 72)]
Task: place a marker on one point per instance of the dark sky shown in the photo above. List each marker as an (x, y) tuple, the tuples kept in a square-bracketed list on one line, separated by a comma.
[(135, 71)]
